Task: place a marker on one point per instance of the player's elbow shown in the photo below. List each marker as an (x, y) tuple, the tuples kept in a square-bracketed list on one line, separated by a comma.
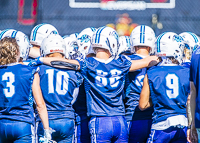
[(41, 107), (142, 106)]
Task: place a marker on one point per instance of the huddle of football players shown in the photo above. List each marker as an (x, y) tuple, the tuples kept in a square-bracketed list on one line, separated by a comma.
[(95, 86)]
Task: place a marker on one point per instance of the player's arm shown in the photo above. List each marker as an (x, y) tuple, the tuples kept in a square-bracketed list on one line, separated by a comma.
[(193, 135), (41, 106), (143, 63), (60, 63), (145, 101), (188, 109), (34, 52)]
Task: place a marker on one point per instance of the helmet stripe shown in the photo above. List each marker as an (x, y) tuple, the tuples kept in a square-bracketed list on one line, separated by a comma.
[(142, 33), (128, 42), (35, 31), (55, 32), (194, 36), (76, 34), (93, 29), (3, 32), (14, 33), (97, 38), (158, 42)]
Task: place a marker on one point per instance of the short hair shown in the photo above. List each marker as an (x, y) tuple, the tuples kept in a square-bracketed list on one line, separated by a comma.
[(9, 51)]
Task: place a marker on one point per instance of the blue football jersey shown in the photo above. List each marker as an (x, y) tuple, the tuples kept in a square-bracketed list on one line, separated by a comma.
[(169, 89), (186, 64), (134, 84), (194, 76), (58, 86), (80, 105), (16, 92), (104, 84)]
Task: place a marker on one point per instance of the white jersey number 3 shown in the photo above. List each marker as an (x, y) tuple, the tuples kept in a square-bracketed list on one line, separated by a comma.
[(173, 84), (9, 77)]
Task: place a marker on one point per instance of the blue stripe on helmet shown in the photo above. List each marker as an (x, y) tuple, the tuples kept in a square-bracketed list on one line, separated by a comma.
[(14, 33), (93, 29), (54, 32), (35, 31), (158, 41), (65, 36), (3, 32), (194, 36), (97, 38), (142, 33), (76, 34), (100, 33), (127, 41)]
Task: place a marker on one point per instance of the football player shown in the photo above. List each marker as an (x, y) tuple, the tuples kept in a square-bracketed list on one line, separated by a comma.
[(168, 85), (17, 82), (194, 134), (59, 89), (143, 43), (82, 134)]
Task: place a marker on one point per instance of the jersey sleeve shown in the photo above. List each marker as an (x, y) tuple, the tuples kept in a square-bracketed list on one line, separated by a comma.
[(194, 65)]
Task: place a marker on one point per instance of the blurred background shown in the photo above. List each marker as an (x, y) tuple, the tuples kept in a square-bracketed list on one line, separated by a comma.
[(72, 16)]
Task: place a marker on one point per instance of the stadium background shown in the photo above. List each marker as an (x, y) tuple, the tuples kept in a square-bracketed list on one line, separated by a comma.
[(72, 16)]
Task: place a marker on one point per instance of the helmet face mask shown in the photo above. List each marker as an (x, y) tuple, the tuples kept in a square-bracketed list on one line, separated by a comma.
[(84, 41), (143, 35), (71, 47), (53, 43), (191, 42), (124, 44), (106, 38), (41, 31), (22, 41), (169, 44)]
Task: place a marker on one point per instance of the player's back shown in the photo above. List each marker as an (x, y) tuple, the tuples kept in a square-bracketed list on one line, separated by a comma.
[(169, 87), (104, 84), (15, 92), (58, 89)]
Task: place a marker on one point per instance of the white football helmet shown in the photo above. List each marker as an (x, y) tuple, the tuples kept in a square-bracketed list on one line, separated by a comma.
[(22, 41), (84, 41), (143, 35), (53, 43), (71, 47), (74, 35), (191, 40), (41, 31), (106, 38), (169, 44), (124, 44)]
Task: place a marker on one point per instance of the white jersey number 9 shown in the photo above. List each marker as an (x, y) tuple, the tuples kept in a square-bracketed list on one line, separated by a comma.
[(173, 84)]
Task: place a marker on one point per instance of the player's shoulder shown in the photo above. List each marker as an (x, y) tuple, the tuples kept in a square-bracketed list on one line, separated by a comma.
[(196, 54), (135, 57)]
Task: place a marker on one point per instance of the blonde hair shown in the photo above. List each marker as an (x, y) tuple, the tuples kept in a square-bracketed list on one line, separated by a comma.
[(9, 51)]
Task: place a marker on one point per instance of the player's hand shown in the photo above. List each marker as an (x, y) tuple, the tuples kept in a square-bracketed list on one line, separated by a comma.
[(153, 60), (36, 62), (189, 135), (45, 140), (192, 136), (48, 132)]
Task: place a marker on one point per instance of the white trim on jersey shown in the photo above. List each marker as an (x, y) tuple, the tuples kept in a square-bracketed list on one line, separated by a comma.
[(178, 120)]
